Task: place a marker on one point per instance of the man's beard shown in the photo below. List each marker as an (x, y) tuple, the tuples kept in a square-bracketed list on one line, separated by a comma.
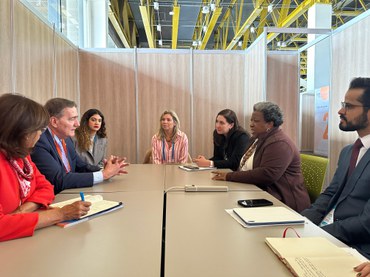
[(358, 123)]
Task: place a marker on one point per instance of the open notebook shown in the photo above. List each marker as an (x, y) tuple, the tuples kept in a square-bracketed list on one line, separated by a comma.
[(98, 207), (315, 257), (266, 216)]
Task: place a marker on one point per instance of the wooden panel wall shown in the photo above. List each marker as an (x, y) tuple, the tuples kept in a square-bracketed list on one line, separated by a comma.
[(107, 83), (218, 84), (255, 75), (5, 46), (283, 89), (34, 61), (163, 84), (349, 59), (66, 69), (307, 122)]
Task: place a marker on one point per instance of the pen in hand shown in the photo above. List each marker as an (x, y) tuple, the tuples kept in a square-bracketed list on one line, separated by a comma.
[(82, 196)]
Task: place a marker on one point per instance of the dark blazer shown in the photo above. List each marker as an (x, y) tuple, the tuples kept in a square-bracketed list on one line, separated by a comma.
[(47, 160), (277, 170), (229, 154), (352, 199)]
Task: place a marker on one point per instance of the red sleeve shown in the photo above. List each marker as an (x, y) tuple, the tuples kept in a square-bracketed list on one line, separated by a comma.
[(42, 191), (14, 226)]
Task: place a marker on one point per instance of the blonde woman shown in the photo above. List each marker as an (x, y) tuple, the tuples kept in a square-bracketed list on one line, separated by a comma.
[(169, 145)]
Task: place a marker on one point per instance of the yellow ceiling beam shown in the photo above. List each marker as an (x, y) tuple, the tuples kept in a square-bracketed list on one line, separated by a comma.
[(256, 12), (211, 25), (284, 10), (119, 29), (240, 14), (347, 13), (294, 15), (263, 17), (298, 39), (175, 25), (145, 12)]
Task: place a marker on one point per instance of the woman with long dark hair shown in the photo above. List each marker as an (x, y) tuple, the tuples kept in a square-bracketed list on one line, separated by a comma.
[(229, 140), (91, 138)]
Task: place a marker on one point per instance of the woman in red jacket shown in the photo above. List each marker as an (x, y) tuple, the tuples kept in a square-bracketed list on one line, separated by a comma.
[(25, 194)]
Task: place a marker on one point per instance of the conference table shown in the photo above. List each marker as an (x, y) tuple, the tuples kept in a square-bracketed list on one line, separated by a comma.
[(161, 231)]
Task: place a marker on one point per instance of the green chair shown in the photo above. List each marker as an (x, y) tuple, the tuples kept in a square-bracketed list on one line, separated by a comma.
[(314, 170)]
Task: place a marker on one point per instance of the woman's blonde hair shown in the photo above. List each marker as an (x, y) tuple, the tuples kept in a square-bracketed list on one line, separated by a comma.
[(176, 127)]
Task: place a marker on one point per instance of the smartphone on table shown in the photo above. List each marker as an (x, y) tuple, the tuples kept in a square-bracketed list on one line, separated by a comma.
[(250, 203)]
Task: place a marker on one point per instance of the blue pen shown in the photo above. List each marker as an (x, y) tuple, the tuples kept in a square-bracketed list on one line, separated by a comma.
[(82, 196)]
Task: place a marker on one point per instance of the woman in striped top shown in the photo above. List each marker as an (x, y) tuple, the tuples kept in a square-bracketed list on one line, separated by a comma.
[(169, 145)]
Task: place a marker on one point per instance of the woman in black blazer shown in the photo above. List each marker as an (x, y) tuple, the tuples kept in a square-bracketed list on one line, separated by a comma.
[(229, 140)]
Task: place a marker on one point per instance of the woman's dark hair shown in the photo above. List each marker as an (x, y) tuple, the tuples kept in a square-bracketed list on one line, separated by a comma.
[(231, 118), (21, 117), (83, 131), (271, 112)]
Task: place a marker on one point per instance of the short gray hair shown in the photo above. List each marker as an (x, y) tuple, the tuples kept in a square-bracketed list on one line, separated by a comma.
[(271, 112), (56, 106)]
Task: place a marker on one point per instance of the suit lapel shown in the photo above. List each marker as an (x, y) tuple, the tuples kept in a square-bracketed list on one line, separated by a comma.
[(356, 174), (53, 147)]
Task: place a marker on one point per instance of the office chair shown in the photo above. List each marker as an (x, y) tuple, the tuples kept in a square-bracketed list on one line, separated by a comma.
[(148, 157), (314, 171)]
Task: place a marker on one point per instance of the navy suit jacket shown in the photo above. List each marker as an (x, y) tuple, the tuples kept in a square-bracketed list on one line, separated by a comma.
[(47, 160), (351, 198)]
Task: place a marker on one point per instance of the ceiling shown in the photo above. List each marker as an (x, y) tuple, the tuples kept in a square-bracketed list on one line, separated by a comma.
[(217, 24)]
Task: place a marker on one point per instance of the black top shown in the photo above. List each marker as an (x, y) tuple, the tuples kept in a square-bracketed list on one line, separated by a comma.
[(229, 152)]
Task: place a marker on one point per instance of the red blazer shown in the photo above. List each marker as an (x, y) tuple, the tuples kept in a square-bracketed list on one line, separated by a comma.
[(14, 226)]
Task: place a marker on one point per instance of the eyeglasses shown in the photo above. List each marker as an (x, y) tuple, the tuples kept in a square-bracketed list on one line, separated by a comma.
[(349, 106)]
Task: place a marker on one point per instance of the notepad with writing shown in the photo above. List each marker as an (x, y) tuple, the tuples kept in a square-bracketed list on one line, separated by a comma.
[(313, 257), (98, 207), (266, 216)]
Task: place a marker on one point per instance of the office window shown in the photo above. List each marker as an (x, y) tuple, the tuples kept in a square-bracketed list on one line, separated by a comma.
[(65, 14)]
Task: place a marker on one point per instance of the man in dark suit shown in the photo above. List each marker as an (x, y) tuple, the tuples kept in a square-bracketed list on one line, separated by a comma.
[(55, 155), (343, 209)]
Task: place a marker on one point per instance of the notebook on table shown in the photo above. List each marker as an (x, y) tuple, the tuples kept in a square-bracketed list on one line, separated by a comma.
[(98, 207), (266, 216)]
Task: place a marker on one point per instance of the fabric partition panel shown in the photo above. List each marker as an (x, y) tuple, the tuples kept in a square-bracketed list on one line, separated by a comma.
[(283, 89), (66, 69), (307, 121), (349, 59), (107, 83), (218, 85), (33, 54), (6, 47), (255, 75)]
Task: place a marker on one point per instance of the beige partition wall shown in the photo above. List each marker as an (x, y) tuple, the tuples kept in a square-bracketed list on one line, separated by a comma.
[(350, 58), (34, 57), (66, 69), (255, 75), (307, 121), (107, 83), (5, 46), (163, 84), (283, 89), (218, 85)]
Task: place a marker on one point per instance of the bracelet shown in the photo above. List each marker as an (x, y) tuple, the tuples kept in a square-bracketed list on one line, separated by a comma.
[(211, 164)]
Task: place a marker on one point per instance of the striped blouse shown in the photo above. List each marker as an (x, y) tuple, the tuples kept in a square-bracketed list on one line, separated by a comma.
[(176, 152)]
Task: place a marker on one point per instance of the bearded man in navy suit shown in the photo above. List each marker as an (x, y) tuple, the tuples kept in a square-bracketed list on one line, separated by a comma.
[(343, 209)]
